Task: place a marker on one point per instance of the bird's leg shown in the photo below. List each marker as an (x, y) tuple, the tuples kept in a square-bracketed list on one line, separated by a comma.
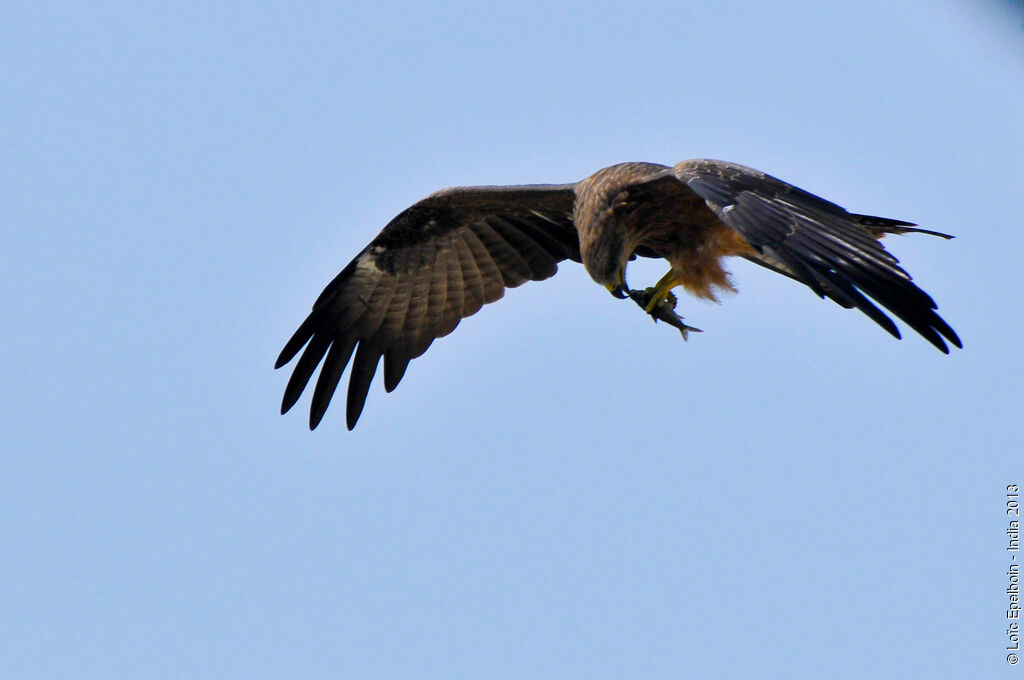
[(662, 291)]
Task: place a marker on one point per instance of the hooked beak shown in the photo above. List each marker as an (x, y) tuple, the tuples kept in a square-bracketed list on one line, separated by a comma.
[(620, 289)]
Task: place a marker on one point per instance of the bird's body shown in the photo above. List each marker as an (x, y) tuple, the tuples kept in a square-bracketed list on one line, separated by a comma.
[(440, 260), (648, 208)]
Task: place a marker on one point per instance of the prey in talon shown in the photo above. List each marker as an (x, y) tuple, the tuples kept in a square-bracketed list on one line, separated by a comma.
[(665, 311)]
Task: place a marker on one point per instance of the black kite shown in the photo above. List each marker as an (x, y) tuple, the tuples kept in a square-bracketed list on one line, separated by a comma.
[(443, 258)]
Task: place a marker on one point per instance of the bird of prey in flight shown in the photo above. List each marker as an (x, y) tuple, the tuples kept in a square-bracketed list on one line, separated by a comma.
[(443, 258)]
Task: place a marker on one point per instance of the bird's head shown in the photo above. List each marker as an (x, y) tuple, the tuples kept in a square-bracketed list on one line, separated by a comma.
[(605, 257), (600, 207)]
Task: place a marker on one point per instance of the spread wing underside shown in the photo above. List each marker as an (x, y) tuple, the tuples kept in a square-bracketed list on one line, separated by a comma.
[(435, 264)]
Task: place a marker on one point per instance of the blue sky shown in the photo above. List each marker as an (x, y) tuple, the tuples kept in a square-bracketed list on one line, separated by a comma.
[(560, 488)]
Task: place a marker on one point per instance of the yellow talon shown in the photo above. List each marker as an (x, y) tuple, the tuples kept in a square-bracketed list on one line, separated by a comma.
[(661, 292)]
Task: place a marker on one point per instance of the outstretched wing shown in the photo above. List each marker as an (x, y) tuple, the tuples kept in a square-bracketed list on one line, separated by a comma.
[(433, 265), (834, 252)]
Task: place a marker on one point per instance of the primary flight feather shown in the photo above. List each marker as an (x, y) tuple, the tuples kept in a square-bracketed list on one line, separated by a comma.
[(443, 258)]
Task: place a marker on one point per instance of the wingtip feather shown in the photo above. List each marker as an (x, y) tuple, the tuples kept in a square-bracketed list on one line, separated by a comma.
[(363, 368)]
